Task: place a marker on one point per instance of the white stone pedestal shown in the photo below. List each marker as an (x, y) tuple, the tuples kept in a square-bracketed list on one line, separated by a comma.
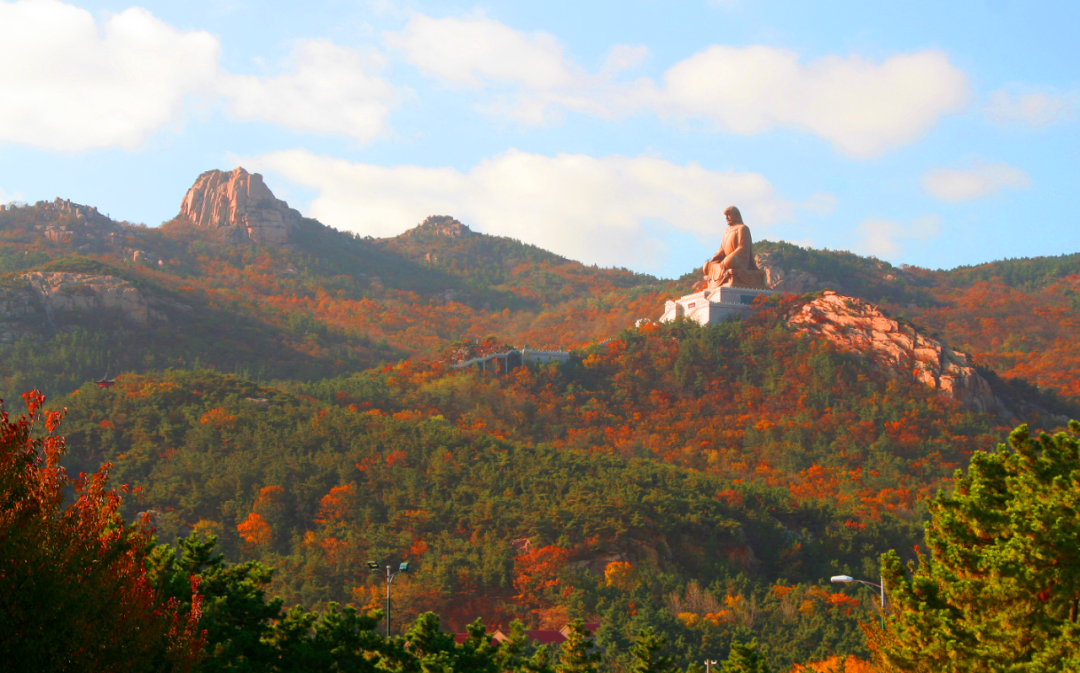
[(712, 306)]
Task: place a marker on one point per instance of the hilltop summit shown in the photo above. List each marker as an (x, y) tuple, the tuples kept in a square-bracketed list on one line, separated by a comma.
[(240, 205), (442, 225)]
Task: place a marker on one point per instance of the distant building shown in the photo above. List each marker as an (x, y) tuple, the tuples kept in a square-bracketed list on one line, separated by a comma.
[(500, 363)]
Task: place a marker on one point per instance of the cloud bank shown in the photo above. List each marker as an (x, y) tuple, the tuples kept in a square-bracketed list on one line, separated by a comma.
[(595, 210), (73, 84), (978, 180), (331, 89), (862, 107)]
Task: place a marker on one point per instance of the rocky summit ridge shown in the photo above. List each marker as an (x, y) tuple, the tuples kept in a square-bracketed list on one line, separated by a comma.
[(897, 348), (240, 206)]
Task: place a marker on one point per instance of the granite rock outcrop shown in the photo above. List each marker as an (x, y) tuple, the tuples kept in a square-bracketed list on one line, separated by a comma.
[(240, 206), (789, 280), (61, 292), (856, 326), (51, 295), (444, 225)]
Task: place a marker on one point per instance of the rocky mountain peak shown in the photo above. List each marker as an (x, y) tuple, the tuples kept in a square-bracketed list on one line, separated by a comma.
[(444, 225), (240, 205)]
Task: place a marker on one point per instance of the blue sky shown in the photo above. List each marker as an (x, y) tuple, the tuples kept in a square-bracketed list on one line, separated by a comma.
[(926, 133)]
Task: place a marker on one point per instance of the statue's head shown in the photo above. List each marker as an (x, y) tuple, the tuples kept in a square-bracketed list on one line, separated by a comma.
[(733, 215)]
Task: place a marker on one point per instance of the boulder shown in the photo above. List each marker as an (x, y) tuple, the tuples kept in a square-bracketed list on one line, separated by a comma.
[(858, 327), (239, 205)]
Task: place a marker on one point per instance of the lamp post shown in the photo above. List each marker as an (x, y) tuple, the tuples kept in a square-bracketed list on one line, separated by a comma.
[(403, 567), (709, 665), (879, 587)]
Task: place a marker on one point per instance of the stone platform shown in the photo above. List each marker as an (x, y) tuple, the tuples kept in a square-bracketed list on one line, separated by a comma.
[(712, 306)]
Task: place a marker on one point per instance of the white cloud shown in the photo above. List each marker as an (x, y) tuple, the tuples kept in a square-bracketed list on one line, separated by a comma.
[(586, 208), (862, 107), (881, 237), (71, 84), (331, 89), (978, 180), (1034, 109), (479, 53), (8, 198), (473, 51)]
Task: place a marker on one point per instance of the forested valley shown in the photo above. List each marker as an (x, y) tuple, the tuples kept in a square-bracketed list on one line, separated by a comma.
[(274, 418)]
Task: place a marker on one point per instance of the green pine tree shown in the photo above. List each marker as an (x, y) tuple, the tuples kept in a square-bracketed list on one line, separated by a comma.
[(645, 653), (518, 655), (1000, 587), (745, 658), (576, 655)]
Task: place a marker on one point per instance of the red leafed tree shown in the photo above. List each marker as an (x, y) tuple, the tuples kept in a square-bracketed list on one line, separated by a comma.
[(73, 588), (537, 573)]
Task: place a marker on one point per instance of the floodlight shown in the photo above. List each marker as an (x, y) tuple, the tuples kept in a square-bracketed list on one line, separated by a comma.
[(843, 578), (373, 565), (404, 567)]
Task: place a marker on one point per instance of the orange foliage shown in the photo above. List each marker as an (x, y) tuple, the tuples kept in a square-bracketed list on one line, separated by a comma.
[(836, 665), (537, 571), (337, 504), (80, 556), (627, 399), (254, 531), (621, 575), (269, 496), (1025, 334), (219, 418)]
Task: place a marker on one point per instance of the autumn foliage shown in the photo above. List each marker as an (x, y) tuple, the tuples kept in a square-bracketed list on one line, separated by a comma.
[(73, 587)]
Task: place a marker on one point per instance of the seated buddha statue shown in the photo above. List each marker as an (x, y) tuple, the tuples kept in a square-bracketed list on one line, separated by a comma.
[(734, 265)]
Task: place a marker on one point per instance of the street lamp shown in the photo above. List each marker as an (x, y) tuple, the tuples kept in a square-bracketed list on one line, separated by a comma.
[(880, 587), (709, 665), (403, 567)]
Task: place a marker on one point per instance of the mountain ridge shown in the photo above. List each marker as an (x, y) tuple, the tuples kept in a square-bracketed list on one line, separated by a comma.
[(440, 282)]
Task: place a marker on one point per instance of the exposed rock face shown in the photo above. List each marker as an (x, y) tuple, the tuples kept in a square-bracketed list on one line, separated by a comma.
[(35, 296), (65, 292), (793, 281), (240, 204), (444, 225), (857, 326)]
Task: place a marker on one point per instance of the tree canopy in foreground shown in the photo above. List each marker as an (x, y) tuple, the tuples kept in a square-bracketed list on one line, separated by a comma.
[(999, 590)]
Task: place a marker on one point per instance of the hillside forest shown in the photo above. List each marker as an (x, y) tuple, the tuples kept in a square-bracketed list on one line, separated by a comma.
[(272, 418)]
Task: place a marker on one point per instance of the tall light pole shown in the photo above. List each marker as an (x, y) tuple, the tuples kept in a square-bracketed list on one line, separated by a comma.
[(709, 665), (403, 567), (879, 587)]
